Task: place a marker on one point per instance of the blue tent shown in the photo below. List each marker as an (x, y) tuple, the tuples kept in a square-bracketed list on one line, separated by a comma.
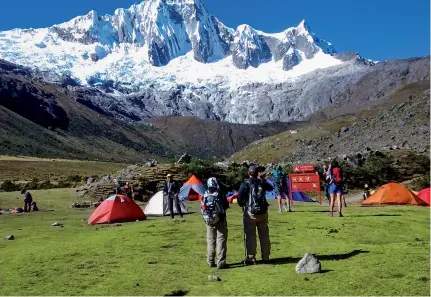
[(297, 196), (192, 190)]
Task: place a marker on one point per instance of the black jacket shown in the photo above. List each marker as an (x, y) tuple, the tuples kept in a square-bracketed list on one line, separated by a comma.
[(244, 189), (175, 189)]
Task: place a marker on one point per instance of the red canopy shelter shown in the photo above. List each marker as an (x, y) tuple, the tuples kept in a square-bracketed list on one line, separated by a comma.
[(117, 208)]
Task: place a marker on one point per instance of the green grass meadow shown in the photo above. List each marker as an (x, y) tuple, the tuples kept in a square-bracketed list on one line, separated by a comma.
[(371, 251)]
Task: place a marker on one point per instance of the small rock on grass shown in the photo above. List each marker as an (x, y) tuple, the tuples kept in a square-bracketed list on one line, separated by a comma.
[(214, 278), (308, 264)]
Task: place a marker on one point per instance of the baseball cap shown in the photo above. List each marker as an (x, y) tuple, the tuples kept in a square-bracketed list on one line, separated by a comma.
[(253, 169)]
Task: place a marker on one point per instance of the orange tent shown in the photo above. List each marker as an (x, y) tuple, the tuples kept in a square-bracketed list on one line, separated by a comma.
[(425, 195), (393, 193), (192, 190), (117, 208)]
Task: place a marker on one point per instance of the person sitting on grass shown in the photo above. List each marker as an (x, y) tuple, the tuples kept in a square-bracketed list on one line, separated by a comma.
[(27, 200)]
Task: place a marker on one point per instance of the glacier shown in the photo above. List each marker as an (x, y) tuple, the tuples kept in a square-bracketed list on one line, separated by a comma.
[(163, 57)]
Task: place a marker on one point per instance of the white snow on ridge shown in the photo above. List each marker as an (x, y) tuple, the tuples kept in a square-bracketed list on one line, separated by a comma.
[(125, 46), (129, 64)]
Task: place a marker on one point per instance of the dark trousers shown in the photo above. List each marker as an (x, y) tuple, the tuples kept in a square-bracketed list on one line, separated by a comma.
[(171, 199), (27, 206)]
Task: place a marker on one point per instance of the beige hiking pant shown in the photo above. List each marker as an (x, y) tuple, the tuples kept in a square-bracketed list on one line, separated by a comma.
[(217, 238), (251, 222)]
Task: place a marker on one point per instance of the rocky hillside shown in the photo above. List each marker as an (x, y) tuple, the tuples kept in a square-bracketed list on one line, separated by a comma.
[(399, 122), (47, 120)]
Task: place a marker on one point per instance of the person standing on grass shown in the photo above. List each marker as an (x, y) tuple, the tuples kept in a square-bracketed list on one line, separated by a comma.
[(326, 179), (213, 207), (117, 185), (128, 190), (335, 175), (251, 197), (280, 187), (27, 200), (171, 191)]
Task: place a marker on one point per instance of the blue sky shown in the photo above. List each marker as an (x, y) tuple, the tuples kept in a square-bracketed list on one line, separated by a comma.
[(377, 29)]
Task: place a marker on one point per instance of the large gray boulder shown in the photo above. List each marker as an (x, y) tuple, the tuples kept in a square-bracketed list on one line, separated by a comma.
[(308, 264)]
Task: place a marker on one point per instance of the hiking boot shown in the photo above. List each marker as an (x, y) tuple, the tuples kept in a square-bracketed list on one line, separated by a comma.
[(222, 266), (340, 214), (211, 265), (249, 261)]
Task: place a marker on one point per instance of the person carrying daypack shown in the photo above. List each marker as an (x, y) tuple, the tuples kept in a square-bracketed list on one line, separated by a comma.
[(335, 176), (252, 198), (213, 208)]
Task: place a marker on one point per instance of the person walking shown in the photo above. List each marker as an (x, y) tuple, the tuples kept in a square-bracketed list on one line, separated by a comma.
[(335, 176), (171, 191), (28, 199), (251, 197), (213, 207)]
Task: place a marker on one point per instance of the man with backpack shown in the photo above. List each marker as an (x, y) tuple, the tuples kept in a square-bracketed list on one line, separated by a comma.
[(335, 176), (251, 198), (213, 208), (171, 191)]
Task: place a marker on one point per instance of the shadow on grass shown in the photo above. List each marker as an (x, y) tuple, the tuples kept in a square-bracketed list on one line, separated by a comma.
[(177, 293), (378, 215), (290, 260)]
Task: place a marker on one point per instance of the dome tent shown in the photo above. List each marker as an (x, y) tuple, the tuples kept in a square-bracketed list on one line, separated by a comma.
[(117, 208), (395, 194), (158, 206), (192, 190)]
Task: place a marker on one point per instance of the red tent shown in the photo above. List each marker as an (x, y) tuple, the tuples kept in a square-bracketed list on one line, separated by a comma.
[(425, 195), (117, 208), (232, 197)]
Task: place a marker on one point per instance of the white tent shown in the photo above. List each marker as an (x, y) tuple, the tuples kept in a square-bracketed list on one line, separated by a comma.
[(158, 206)]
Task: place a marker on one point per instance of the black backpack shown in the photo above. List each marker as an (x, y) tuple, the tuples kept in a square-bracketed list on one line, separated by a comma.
[(257, 198)]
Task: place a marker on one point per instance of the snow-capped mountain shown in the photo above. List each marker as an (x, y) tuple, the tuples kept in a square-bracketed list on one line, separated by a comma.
[(176, 47)]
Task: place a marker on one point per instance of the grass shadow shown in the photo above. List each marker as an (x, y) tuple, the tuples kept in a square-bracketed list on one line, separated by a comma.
[(378, 215), (177, 293), (291, 260)]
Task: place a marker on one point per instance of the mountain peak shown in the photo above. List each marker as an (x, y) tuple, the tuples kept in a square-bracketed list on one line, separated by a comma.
[(303, 27)]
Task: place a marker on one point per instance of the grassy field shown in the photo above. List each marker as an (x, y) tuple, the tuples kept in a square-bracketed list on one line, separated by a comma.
[(27, 168), (371, 251)]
